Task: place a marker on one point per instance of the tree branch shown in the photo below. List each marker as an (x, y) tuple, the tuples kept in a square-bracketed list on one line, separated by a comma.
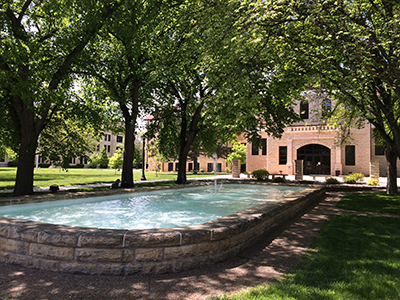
[(23, 10), (86, 36)]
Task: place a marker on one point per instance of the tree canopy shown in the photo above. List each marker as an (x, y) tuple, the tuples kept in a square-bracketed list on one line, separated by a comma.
[(351, 49), (220, 78), (40, 43)]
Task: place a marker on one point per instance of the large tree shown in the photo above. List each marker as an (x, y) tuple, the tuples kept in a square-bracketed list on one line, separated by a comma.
[(352, 48), (216, 83), (120, 64), (40, 44)]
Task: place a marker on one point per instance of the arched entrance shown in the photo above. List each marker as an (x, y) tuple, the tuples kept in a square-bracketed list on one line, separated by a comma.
[(317, 159)]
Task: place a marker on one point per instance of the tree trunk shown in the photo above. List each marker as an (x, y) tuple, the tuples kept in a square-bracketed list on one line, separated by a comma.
[(25, 173), (130, 123), (195, 165), (129, 147), (391, 158), (182, 168)]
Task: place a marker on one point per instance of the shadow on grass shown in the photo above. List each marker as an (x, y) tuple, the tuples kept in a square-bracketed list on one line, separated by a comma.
[(353, 257), (371, 202)]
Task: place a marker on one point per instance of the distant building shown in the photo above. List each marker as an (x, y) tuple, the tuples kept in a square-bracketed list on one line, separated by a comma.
[(315, 144)]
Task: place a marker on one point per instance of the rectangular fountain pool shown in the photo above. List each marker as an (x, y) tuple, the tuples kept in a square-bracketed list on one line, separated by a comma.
[(158, 209)]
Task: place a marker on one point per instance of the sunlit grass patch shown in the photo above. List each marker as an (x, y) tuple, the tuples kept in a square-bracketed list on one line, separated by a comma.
[(45, 177), (353, 257), (371, 202)]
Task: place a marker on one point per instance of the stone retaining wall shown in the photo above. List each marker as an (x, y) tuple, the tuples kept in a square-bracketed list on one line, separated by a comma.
[(121, 252)]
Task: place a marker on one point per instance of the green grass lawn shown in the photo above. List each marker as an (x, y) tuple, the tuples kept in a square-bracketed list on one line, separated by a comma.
[(371, 202), (46, 177), (353, 257)]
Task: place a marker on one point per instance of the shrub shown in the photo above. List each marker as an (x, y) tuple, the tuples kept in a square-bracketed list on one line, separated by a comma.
[(278, 180), (373, 182), (13, 163), (116, 161), (358, 176), (353, 178), (260, 174), (94, 161), (103, 158), (201, 171), (44, 165), (332, 180), (77, 166), (227, 170), (54, 188), (350, 181)]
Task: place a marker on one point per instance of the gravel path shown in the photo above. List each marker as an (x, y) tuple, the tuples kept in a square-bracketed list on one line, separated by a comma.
[(269, 259)]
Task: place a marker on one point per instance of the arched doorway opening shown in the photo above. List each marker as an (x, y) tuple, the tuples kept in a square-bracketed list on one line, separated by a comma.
[(316, 158)]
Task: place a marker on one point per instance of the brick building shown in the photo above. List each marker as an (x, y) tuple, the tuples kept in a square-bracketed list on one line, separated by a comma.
[(317, 145)]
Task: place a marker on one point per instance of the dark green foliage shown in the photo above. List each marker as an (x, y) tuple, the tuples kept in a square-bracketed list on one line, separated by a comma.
[(12, 163), (278, 180), (44, 165), (103, 159), (77, 166), (332, 180), (260, 174), (351, 181), (40, 45)]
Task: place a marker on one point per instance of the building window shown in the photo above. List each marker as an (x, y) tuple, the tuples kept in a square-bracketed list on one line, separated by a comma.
[(119, 139), (350, 155), (282, 155), (326, 107), (379, 150), (105, 137), (176, 167), (264, 146), (304, 109), (109, 137), (170, 166), (254, 149), (108, 148), (219, 167), (210, 167), (190, 167)]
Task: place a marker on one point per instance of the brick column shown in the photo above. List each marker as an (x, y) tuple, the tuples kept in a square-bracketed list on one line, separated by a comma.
[(338, 161), (235, 168), (298, 172), (289, 164), (374, 169)]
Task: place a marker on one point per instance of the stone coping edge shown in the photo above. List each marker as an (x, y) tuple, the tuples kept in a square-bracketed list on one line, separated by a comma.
[(93, 251)]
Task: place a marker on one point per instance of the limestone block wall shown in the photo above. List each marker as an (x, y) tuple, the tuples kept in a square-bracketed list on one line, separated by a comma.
[(69, 249)]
